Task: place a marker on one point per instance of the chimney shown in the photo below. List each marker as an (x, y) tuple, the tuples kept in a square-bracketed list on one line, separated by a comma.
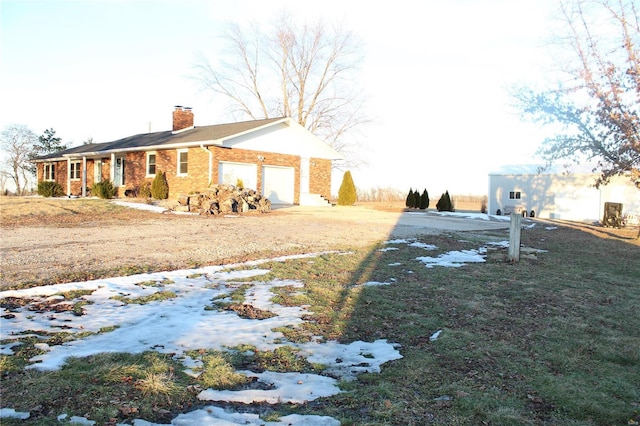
[(182, 118)]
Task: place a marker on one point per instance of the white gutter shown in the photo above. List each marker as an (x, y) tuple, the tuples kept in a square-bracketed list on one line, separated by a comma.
[(210, 162)]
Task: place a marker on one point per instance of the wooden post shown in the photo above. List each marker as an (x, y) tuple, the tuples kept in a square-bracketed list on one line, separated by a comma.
[(514, 237)]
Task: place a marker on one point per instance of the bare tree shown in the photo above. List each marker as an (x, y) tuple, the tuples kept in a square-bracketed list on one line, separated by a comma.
[(307, 72), (4, 178), (597, 107), (18, 142)]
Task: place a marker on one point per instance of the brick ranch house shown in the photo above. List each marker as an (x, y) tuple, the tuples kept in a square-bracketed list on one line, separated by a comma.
[(277, 157)]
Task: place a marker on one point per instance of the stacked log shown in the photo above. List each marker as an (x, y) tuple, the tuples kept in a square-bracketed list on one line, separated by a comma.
[(224, 199)]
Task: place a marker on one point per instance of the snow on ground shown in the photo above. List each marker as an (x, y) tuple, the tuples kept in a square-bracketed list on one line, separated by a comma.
[(182, 323), (464, 215)]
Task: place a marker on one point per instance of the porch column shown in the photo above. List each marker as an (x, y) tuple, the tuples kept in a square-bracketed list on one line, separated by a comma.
[(84, 176), (68, 175), (112, 168)]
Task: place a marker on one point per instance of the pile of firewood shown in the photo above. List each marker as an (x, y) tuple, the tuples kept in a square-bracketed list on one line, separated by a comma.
[(224, 199)]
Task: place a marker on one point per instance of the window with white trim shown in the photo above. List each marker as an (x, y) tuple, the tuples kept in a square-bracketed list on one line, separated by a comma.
[(514, 195), (151, 163), (74, 170), (49, 172), (183, 162)]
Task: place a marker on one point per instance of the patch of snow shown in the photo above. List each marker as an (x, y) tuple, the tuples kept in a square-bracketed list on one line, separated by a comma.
[(423, 245), (374, 284), (7, 349), (140, 206), (397, 241), (478, 216), (453, 259), (288, 388), (10, 413), (216, 416)]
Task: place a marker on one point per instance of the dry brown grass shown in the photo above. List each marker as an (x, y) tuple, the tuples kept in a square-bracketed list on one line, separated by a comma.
[(35, 211)]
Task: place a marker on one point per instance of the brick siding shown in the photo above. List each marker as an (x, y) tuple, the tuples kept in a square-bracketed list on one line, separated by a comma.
[(197, 178)]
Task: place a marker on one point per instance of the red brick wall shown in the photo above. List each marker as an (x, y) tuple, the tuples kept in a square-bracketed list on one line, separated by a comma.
[(197, 178), (320, 177), (270, 159)]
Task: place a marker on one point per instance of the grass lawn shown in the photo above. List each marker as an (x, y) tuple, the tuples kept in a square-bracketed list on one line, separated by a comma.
[(552, 339)]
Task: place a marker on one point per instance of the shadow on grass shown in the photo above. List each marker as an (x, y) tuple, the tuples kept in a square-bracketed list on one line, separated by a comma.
[(552, 339)]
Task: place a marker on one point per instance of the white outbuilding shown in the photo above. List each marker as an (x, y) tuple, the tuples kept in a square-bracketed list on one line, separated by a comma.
[(559, 192)]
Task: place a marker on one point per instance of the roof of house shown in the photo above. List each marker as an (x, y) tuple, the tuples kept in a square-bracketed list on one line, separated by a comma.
[(545, 169), (166, 139)]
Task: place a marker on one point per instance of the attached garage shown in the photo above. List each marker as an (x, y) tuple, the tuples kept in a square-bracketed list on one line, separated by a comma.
[(278, 184), (229, 173)]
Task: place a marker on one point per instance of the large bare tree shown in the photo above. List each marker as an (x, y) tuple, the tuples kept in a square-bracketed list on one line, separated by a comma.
[(307, 72), (596, 107), (17, 142)]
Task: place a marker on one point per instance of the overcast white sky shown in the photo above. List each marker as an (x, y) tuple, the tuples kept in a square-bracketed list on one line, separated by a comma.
[(435, 76)]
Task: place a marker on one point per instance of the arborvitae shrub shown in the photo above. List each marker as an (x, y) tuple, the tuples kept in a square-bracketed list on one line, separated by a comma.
[(416, 199), (410, 201), (444, 203), (449, 202), (424, 200), (104, 189), (440, 204), (160, 187), (50, 189), (347, 192)]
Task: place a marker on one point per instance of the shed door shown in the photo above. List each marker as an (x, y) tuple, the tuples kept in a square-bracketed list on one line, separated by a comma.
[(229, 173), (278, 184)]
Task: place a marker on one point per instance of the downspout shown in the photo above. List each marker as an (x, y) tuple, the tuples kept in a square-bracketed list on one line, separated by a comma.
[(210, 162), (84, 176)]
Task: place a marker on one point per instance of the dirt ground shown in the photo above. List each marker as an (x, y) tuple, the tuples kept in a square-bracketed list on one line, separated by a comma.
[(58, 248), (37, 247)]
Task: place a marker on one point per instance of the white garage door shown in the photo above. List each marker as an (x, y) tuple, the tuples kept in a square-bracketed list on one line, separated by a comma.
[(278, 184), (229, 173)]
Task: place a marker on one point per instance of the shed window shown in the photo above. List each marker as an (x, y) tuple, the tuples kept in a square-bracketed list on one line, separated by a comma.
[(514, 195), (183, 162), (151, 163), (49, 172), (74, 170)]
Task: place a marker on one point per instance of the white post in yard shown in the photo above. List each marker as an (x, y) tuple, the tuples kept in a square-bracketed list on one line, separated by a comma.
[(514, 237)]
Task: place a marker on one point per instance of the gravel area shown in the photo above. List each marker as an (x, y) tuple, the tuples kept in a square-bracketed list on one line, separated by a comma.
[(50, 252)]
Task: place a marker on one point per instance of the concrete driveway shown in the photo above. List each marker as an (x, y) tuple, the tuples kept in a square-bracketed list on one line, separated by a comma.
[(403, 223)]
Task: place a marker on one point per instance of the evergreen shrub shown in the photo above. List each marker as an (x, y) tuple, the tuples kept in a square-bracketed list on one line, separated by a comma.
[(424, 200), (416, 199), (104, 189), (50, 189), (444, 204), (410, 201), (145, 190), (160, 187), (347, 192)]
